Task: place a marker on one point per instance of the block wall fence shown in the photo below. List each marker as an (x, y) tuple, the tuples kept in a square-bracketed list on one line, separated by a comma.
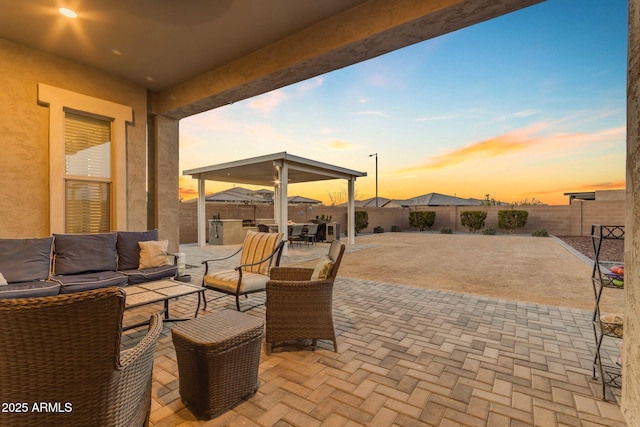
[(567, 220)]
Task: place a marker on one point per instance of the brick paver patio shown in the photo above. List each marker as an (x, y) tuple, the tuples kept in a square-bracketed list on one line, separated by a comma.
[(408, 357)]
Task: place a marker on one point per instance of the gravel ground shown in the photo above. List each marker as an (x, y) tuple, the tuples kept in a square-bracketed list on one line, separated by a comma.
[(611, 250)]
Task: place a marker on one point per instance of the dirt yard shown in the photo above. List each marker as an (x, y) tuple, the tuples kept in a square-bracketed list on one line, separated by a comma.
[(513, 267)]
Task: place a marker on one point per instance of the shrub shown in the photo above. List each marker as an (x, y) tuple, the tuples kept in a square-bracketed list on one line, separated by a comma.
[(395, 229), (422, 219), (489, 231), (361, 220), (540, 233), (378, 229), (512, 219), (473, 220), (446, 230)]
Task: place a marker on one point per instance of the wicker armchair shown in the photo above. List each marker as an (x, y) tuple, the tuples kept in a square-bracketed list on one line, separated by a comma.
[(61, 363), (300, 307), (259, 252)]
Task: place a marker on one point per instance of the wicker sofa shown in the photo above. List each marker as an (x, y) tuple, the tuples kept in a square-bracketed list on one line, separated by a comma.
[(68, 263)]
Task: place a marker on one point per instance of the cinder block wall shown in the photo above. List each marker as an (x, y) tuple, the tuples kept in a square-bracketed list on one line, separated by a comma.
[(570, 220)]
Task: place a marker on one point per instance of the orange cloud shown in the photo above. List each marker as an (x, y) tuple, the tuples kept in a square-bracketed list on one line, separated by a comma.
[(512, 142), (337, 144), (500, 145), (187, 188)]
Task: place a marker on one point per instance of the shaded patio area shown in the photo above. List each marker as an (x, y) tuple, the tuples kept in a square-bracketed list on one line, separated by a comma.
[(408, 356)]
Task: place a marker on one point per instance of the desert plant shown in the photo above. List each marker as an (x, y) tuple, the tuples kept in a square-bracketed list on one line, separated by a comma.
[(540, 233), (445, 230), (361, 220), (489, 231), (395, 229), (422, 219), (510, 220), (473, 220), (378, 229)]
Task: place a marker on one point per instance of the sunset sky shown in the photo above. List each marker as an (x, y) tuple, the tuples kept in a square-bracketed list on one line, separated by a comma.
[(528, 105)]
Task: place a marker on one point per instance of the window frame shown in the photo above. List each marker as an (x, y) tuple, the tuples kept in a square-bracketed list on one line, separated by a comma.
[(61, 101)]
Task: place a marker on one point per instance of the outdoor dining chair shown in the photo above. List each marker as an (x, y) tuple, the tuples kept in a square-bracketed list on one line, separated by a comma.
[(258, 253), (295, 234), (300, 301), (64, 352)]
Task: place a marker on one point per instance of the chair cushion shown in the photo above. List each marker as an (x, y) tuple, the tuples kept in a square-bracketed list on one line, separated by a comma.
[(257, 246), (322, 269), (228, 280), (137, 275), (89, 281), (38, 288), (128, 248), (25, 260), (153, 254), (83, 253)]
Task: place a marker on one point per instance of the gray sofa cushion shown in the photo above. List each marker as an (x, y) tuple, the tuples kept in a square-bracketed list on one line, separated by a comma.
[(128, 248), (148, 274), (38, 288), (89, 281), (25, 260), (83, 253)]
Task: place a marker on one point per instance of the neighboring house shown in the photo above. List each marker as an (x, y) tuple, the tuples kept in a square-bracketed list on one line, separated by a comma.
[(431, 199), (237, 195), (437, 199)]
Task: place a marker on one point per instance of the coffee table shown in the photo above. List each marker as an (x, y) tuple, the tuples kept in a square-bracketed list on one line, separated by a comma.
[(161, 290)]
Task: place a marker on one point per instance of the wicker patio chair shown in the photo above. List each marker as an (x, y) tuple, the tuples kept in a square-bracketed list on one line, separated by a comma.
[(61, 363), (299, 301), (259, 252)]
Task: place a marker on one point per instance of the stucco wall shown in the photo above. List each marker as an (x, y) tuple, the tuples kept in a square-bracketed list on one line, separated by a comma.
[(631, 365), (24, 138)]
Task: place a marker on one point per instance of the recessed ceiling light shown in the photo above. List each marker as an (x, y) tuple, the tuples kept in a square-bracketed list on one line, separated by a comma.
[(149, 78), (68, 12), (117, 52)]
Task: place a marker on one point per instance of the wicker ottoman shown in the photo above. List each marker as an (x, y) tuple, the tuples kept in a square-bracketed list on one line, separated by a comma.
[(218, 358)]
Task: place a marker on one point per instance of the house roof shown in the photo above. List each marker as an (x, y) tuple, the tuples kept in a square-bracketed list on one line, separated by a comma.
[(437, 199)]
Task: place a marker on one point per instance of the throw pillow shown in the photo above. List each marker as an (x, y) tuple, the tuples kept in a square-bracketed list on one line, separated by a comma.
[(323, 269), (3, 281), (153, 253)]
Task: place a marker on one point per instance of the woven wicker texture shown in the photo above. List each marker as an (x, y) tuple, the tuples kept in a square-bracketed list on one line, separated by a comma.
[(298, 308), (65, 351), (218, 358)]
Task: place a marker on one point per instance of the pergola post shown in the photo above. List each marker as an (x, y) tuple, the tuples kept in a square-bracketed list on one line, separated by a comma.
[(202, 214), (351, 212)]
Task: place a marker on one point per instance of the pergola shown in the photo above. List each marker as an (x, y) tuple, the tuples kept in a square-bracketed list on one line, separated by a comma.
[(276, 170)]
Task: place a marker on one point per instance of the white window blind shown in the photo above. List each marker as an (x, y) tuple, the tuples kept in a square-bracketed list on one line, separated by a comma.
[(87, 174), (87, 146)]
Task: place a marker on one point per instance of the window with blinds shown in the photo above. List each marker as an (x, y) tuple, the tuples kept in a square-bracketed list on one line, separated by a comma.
[(87, 174)]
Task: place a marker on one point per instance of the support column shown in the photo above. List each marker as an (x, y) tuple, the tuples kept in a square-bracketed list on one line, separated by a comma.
[(351, 212), (163, 199), (283, 203), (631, 352), (202, 214)]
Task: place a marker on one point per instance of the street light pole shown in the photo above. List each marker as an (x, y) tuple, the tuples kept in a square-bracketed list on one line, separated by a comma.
[(371, 155)]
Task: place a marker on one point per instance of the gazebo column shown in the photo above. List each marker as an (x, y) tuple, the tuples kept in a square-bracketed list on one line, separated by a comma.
[(202, 214), (282, 202), (351, 212)]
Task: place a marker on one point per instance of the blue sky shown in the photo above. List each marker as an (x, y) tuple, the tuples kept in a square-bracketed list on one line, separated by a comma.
[(528, 105)]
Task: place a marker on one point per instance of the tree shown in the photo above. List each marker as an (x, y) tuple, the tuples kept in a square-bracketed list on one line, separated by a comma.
[(422, 219), (361, 220)]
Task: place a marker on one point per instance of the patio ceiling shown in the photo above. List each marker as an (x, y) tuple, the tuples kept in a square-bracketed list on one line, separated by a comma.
[(263, 170)]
